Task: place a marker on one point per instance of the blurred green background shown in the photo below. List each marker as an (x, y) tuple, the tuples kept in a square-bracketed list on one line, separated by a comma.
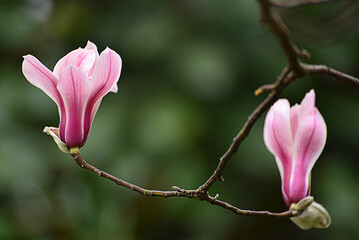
[(189, 71)]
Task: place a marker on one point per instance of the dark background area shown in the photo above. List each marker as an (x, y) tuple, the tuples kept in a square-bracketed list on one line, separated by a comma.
[(190, 68)]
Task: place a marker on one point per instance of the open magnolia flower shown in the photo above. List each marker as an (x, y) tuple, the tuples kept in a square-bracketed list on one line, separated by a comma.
[(296, 137), (77, 85)]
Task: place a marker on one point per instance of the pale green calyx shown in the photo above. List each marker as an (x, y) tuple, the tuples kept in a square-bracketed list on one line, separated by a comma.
[(75, 150), (310, 214), (54, 133)]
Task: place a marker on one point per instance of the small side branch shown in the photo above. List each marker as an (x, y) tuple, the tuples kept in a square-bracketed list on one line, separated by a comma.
[(322, 69), (145, 192)]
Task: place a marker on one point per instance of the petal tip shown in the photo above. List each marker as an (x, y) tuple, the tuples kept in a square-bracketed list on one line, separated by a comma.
[(281, 104), (309, 99), (28, 56), (90, 45)]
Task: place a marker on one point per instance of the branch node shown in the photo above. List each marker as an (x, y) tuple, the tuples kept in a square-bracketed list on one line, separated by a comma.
[(264, 88), (221, 178), (303, 53), (175, 188), (98, 172), (148, 193)]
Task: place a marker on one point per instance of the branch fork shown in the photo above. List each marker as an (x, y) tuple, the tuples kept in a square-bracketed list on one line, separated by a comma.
[(294, 70)]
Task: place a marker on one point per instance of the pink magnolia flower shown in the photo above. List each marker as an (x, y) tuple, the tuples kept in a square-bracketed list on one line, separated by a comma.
[(77, 85), (295, 136)]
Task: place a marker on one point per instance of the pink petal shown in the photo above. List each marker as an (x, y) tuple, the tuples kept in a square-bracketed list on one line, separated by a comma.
[(107, 73), (40, 76), (74, 89), (278, 139), (81, 58), (308, 101), (308, 144), (294, 112), (91, 46), (104, 80)]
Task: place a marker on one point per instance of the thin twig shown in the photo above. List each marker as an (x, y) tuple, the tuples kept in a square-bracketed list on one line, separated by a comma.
[(322, 69), (285, 78), (264, 88), (296, 3), (153, 193), (274, 23), (177, 192)]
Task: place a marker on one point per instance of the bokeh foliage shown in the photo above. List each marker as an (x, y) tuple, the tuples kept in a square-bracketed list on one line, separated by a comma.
[(189, 71)]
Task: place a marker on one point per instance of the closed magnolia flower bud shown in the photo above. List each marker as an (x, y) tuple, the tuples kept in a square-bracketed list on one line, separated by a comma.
[(310, 214), (295, 136)]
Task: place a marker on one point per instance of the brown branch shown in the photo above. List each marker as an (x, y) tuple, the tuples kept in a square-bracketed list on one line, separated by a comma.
[(292, 52), (322, 69), (177, 192), (296, 3), (145, 192), (295, 69), (237, 211), (284, 79), (264, 88)]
